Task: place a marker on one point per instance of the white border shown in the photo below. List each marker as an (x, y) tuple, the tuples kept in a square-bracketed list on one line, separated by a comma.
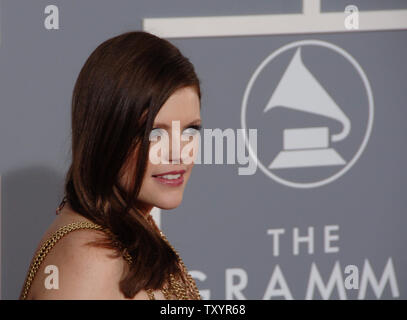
[(156, 214), (311, 20)]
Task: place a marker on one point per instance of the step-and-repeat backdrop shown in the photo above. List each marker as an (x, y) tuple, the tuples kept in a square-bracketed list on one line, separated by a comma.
[(312, 98)]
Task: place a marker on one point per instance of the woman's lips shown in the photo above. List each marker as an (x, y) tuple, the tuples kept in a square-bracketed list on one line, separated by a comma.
[(168, 178)]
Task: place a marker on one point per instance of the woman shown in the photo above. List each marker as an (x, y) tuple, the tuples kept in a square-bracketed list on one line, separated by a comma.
[(104, 242)]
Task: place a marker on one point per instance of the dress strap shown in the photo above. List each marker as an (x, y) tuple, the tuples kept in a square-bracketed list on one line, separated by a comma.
[(48, 245)]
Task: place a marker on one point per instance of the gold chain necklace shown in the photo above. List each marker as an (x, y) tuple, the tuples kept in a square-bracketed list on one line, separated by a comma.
[(183, 288)]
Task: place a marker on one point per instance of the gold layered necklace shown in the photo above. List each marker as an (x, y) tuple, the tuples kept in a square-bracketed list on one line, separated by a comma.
[(178, 288)]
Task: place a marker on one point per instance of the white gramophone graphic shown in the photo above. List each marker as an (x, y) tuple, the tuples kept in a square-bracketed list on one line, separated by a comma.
[(306, 147)]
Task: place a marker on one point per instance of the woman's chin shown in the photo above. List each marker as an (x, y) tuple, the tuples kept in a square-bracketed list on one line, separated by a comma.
[(168, 204)]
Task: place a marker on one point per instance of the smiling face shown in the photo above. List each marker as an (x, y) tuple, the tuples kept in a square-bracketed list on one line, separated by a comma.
[(164, 182)]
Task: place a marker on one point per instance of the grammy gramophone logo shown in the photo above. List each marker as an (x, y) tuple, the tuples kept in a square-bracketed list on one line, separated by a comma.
[(300, 91)]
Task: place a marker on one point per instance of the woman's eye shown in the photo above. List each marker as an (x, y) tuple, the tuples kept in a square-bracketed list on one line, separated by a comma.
[(156, 132), (192, 130), (159, 132)]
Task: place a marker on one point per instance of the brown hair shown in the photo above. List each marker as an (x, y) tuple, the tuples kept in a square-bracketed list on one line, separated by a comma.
[(118, 93)]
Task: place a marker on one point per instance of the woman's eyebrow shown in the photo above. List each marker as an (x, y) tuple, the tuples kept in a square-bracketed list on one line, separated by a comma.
[(196, 121), (166, 126)]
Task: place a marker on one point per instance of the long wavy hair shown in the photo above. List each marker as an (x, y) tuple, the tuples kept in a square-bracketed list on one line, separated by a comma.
[(117, 95)]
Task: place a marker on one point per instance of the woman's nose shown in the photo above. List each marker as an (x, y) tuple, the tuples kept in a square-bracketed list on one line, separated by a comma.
[(175, 147)]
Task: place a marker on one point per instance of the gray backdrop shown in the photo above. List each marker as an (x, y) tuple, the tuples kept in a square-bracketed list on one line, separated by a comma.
[(221, 227)]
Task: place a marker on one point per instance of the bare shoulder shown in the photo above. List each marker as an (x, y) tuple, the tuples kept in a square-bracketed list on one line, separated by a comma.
[(73, 269), (77, 269)]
